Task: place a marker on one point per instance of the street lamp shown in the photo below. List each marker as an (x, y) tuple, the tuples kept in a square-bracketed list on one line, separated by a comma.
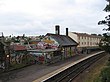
[(7, 56)]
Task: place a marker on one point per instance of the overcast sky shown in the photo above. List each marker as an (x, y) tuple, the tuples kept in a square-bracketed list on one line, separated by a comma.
[(38, 17)]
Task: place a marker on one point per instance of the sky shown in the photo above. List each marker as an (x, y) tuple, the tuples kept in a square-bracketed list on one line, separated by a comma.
[(38, 17)]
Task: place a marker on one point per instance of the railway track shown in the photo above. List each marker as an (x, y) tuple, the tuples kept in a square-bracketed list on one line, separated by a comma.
[(72, 72)]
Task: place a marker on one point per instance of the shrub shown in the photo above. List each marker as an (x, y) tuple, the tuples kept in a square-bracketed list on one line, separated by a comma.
[(105, 74)]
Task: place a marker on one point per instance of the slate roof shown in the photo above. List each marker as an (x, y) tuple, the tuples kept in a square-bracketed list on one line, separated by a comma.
[(63, 40), (87, 35)]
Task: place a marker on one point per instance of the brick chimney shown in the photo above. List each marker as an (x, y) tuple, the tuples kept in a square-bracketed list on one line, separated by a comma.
[(57, 29)]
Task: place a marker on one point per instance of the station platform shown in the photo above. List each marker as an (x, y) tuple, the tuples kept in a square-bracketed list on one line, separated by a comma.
[(39, 72), (66, 66)]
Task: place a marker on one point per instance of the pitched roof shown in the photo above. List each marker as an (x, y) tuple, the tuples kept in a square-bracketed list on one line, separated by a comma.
[(63, 40), (87, 35)]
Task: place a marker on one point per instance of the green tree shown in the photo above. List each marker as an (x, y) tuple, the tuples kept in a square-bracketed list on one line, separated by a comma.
[(107, 8), (105, 42)]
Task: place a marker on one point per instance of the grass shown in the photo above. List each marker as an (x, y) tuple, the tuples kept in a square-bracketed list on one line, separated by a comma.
[(94, 73), (104, 75)]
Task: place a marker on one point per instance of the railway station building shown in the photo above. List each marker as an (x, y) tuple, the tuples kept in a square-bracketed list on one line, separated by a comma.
[(86, 41), (55, 47)]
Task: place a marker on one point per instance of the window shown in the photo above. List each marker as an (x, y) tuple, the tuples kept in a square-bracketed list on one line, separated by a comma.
[(88, 43), (88, 38), (79, 38), (85, 43)]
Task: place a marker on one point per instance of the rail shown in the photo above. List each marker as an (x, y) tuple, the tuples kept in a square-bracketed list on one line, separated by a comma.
[(73, 71)]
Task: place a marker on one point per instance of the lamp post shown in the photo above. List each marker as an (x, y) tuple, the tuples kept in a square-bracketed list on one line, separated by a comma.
[(7, 56)]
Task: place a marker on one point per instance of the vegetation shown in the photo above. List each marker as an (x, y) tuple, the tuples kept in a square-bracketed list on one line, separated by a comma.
[(94, 72), (104, 75), (105, 42), (105, 45)]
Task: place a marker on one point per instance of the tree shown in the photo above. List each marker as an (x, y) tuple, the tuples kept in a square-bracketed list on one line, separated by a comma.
[(105, 41), (107, 8), (105, 22), (107, 18)]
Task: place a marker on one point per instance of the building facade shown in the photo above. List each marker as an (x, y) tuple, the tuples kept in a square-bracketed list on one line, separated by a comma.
[(54, 48), (85, 41)]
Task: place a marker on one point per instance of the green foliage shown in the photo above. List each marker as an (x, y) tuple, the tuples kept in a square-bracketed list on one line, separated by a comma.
[(98, 79), (107, 18), (105, 22), (105, 45), (105, 42), (105, 74), (107, 8), (108, 63)]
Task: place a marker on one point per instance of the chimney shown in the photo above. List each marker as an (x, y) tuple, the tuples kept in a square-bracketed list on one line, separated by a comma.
[(66, 31), (2, 34), (57, 29)]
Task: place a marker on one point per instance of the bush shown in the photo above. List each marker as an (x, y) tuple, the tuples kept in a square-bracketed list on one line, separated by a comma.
[(108, 63), (105, 74), (98, 79)]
